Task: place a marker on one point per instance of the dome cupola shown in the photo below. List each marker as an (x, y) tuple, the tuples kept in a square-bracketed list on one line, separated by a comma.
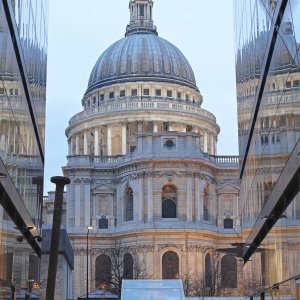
[(140, 17)]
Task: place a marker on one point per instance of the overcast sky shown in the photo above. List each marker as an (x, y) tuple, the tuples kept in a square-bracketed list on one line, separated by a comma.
[(80, 30)]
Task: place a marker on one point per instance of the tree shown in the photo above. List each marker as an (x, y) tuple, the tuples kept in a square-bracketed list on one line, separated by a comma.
[(124, 263), (216, 280)]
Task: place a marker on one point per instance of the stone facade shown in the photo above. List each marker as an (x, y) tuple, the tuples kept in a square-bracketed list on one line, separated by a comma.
[(143, 163)]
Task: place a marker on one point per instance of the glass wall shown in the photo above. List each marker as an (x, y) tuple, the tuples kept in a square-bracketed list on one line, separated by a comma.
[(23, 45), (268, 96)]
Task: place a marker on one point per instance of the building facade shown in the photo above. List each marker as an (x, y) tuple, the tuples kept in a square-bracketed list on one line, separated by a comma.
[(145, 173), (268, 96), (23, 54)]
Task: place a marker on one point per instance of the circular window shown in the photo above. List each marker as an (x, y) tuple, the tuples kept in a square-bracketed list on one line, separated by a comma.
[(169, 144)]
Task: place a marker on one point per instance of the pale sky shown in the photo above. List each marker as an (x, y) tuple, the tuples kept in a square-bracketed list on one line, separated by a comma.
[(80, 30)]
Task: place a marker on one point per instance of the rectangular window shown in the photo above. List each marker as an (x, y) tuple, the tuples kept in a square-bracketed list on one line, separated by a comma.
[(187, 98), (1, 91), (94, 100), (134, 92), (11, 92), (288, 85), (16, 92), (102, 97), (296, 83), (111, 95), (158, 92), (178, 95), (142, 10), (146, 92), (169, 94), (122, 93)]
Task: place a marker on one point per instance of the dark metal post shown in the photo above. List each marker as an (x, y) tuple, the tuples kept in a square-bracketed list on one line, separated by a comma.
[(87, 261), (60, 182)]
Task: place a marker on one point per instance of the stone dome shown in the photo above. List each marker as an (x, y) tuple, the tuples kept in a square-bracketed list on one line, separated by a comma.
[(141, 56)]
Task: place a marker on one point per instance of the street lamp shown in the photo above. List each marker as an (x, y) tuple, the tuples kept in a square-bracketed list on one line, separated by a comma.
[(87, 261)]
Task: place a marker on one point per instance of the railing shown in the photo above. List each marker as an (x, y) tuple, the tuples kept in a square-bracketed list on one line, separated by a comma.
[(232, 161), (226, 160), (134, 103)]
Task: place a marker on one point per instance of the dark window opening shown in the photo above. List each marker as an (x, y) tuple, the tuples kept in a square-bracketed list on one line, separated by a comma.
[(142, 10), (128, 204), (208, 275), (170, 265), (169, 94), (102, 97), (103, 271), (288, 84), (122, 93), (134, 92), (178, 95), (228, 224), (296, 83), (228, 272), (111, 95), (103, 223), (146, 92), (158, 93), (169, 202), (128, 266)]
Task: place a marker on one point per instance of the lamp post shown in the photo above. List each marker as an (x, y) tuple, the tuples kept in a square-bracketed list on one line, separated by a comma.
[(87, 261)]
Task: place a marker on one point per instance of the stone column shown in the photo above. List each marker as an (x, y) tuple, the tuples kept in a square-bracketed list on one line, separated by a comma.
[(87, 203), (197, 198), (71, 145), (108, 144), (189, 198), (141, 199), (77, 203), (150, 199), (77, 144), (27, 142), (201, 189), (205, 141), (96, 143), (124, 140), (215, 148), (212, 144), (85, 144)]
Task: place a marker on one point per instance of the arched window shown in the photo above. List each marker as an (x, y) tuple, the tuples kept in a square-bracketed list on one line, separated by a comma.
[(128, 204), (128, 266), (208, 270), (170, 265), (103, 270), (206, 216), (228, 271), (169, 201)]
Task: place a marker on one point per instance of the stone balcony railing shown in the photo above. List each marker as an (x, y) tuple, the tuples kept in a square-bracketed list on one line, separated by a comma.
[(111, 161), (146, 103)]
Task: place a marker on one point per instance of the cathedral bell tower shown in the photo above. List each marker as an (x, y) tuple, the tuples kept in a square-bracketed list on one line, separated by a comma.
[(140, 17)]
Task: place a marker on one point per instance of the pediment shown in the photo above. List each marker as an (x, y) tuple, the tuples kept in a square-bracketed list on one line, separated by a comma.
[(228, 187), (103, 189)]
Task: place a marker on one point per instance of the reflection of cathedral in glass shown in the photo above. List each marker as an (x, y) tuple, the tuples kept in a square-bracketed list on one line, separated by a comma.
[(142, 156), (268, 94), (23, 55)]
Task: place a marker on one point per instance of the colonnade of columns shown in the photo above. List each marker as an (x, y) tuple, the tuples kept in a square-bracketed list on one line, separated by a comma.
[(100, 140), (17, 139)]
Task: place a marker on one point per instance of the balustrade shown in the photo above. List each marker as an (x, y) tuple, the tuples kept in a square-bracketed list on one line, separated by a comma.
[(140, 104)]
